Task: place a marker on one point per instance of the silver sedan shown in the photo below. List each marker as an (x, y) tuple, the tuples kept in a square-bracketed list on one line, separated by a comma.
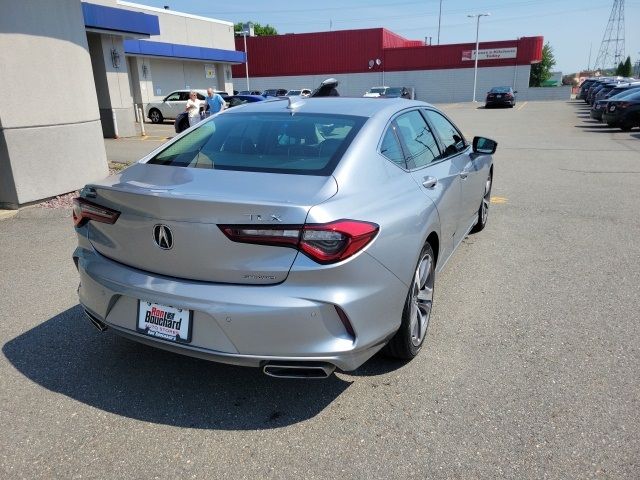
[(297, 236)]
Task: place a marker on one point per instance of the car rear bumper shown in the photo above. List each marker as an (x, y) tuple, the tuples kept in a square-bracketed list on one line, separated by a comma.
[(249, 325), (501, 103), (611, 119), (596, 114)]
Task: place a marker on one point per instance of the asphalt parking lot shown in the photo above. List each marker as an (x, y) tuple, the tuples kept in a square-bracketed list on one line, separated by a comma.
[(531, 367)]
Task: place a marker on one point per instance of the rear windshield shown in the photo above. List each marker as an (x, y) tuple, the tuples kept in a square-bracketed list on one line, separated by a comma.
[(305, 144), (500, 89)]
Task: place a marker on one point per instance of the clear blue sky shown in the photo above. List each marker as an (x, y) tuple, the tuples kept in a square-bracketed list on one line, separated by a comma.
[(570, 27)]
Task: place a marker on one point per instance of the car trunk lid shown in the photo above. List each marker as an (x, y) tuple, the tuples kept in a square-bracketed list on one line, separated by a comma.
[(186, 205)]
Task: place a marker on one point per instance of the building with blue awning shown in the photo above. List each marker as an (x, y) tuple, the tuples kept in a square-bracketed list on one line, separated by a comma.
[(89, 67)]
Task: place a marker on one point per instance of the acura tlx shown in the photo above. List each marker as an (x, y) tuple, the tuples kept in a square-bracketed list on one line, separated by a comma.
[(294, 235)]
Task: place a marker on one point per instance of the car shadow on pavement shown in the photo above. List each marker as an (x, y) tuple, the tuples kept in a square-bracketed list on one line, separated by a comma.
[(598, 127), (65, 354)]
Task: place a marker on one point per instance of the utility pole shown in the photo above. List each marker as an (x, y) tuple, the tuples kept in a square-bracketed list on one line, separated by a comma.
[(477, 52)]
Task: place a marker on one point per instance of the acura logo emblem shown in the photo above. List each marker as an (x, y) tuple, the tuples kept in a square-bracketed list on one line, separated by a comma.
[(162, 236)]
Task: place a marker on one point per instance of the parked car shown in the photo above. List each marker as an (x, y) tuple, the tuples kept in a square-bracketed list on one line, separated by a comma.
[(303, 92), (500, 96), (274, 92), (347, 231), (623, 91), (171, 106), (624, 112), (249, 92), (584, 87), (388, 92), (236, 100)]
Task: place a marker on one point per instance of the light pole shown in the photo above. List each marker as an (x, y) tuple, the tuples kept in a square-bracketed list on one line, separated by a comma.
[(247, 29), (477, 53), (439, 18)]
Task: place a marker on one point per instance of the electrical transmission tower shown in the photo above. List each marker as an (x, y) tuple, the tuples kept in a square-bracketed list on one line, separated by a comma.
[(611, 51)]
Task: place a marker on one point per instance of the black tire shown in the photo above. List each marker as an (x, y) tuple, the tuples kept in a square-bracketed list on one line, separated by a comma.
[(155, 116), (626, 128), (483, 211), (408, 340)]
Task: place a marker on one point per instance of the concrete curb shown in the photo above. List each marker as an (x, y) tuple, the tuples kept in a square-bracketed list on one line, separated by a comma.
[(7, 214)]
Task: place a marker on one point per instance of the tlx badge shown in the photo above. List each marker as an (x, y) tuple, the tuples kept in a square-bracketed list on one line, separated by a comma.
[(258, 218)]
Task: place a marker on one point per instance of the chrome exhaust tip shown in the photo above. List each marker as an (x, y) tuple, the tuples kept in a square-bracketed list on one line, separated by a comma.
[(96, 322), (299, 370)]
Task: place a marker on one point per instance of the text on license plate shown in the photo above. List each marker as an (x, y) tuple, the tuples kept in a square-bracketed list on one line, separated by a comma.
[(165, 322)]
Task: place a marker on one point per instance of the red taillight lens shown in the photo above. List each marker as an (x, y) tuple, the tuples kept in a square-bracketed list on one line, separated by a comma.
[(336, 241), (324, 243), (509, 96), (84, 210)]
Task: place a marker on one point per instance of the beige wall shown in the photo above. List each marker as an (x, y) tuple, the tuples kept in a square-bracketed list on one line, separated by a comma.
[(168, 75), (113, 86), (50, 135), (185, 29)]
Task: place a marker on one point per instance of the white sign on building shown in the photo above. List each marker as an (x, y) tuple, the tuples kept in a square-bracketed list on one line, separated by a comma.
[(210, 71), (490, 54)]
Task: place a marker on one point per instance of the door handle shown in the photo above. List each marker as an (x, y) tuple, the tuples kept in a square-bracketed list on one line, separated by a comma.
[(429, 182), (463, 175)]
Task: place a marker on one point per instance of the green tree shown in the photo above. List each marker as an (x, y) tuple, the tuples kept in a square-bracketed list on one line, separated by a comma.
[(259, 30), (619, 68), (627, 69), (541, 72)]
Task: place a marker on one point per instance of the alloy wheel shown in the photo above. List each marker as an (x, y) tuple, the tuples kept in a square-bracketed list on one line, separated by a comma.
[(484, 212), (421, 299)]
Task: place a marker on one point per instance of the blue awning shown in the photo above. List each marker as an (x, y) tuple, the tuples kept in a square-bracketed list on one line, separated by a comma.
[(119, 20), (188, 52)]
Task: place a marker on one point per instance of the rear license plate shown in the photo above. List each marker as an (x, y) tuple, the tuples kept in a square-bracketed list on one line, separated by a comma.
[(498, 96), (162, 321)]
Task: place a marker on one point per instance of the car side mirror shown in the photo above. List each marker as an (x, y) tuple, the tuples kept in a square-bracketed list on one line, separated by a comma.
[(484, 146), (515, 91)]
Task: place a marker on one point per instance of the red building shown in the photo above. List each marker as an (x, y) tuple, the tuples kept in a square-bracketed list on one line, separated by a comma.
[(360, 59), (349, 51)]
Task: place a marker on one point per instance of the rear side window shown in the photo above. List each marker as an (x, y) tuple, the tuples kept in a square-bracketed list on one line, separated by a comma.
[(390, 148), (174, 97), (451, 138), (305, 144), (415, 134)]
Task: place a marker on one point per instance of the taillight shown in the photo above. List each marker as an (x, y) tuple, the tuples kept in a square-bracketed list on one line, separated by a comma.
[(84, 210), (324, 243), (623, 104), (508, 96), (336, 241)]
